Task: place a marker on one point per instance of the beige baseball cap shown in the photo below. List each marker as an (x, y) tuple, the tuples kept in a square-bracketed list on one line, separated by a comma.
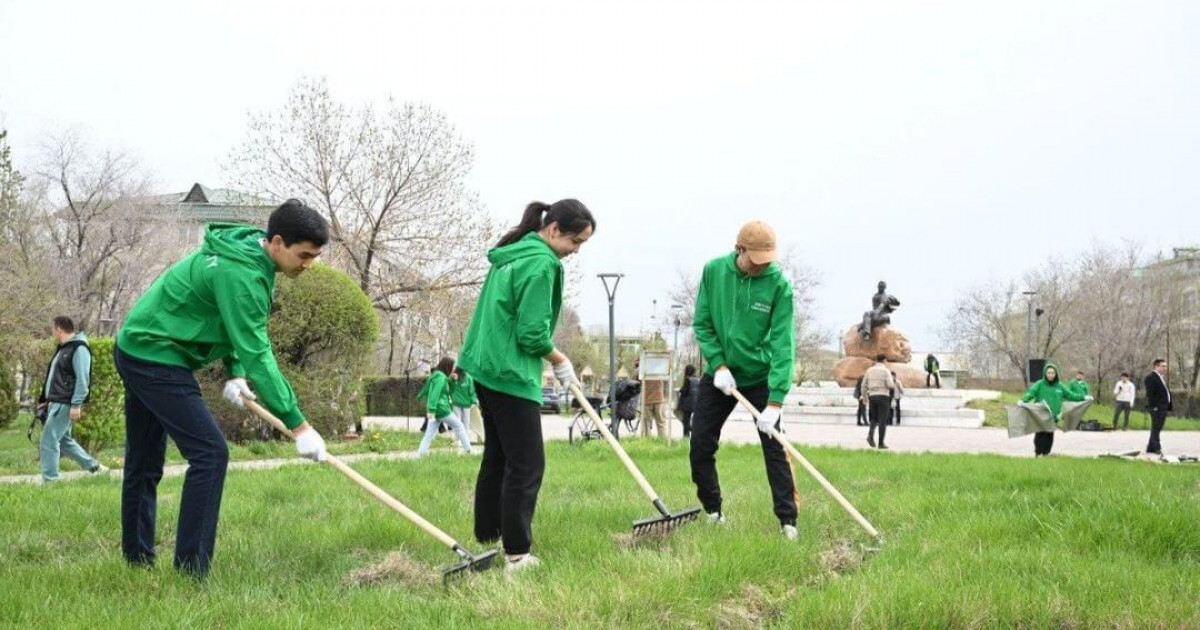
[(759, 240)]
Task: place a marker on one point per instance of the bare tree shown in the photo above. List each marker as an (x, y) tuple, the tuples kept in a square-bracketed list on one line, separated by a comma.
[(392, 184), (96, 206)]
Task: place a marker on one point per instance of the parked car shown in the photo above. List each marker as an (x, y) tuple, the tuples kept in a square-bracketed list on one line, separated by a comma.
[(553, 401)]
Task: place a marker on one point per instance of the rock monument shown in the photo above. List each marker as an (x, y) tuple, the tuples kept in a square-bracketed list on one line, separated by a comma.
[(874, 336)]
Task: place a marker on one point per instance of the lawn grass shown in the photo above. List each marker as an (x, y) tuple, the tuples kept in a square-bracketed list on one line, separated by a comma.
[(971, 541), (996, 416), (20, 457)]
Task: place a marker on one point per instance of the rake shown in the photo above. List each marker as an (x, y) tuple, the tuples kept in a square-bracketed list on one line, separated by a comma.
[(467, 560), (846, 505), (655, 525)]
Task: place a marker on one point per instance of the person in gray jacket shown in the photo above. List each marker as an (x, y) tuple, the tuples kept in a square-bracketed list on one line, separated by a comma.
[(67, 385), (877, 394)]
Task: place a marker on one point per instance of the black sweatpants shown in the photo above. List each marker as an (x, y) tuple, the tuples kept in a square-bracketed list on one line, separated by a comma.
[(510, 475), (711, 412), (880, 410), (861, 416), (1043, 442)]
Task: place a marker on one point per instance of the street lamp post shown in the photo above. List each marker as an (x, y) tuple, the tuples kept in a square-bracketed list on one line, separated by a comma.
[(611, 292), (1029, 335)]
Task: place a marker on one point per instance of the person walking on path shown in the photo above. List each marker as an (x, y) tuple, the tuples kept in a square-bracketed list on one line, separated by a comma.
[(860, 417), (1158, 402), (897, 393), (932, 371), (462, 396), (1053, 392), (1125, 392), (68, 382), (877, 394), (437, 405), (655, 400), (213, 304), (744, 326), (510, 335), (686, 403)]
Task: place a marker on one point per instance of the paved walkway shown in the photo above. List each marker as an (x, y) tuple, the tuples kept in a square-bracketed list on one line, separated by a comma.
[(899, 438), (907, 439), (176, 470)]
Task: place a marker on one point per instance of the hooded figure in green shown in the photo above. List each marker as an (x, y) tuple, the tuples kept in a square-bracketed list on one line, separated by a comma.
[(1052, 391), (509, 340), (212, 305)]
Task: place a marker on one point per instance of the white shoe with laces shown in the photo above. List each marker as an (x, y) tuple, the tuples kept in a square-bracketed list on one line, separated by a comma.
[(527, 561), (790, 532), (716, 518)]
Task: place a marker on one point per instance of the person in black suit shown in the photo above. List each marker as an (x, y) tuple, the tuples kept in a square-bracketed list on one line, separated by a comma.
[(1158, 401)]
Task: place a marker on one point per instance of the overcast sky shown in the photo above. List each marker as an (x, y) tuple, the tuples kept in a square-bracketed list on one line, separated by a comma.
[(932, 144)]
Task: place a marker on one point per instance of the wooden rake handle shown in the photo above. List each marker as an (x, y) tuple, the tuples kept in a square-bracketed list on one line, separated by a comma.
[(362, 482), (833, 492), (612, 441)]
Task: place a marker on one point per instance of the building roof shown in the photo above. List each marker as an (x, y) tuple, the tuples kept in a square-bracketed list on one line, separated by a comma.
[(207, 205)]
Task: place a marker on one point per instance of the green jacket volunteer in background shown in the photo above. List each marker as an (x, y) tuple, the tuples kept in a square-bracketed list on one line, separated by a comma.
[(68, 380), (744, 325), (436, 393), (212, 305), (1080, 385), (1050, 390), (509, 338)]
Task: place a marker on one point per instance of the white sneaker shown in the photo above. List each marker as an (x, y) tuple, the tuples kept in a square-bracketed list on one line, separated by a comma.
[(100, 468), (716, 518), (790, 532), (527, 561)]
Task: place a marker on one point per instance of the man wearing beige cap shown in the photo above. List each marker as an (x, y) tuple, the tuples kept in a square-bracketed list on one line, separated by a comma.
[(744, 327)]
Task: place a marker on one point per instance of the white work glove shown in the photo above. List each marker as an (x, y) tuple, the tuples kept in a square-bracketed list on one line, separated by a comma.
[(723, 380), (565, 373), (236, 389), (1088, 398), (767, 419), (311, 445)]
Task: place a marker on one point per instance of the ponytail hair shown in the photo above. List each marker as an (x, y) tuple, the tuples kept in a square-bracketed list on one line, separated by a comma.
[(571, 216)]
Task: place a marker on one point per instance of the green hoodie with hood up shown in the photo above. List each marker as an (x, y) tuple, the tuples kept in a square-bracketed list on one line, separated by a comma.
[(1053, 393), (514, 319), (746, 323), (212, 305)]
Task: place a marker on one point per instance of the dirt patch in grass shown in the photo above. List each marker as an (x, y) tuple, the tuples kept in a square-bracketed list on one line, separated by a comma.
[(396, 568), (650, 540), (843, 557), (753, 607)]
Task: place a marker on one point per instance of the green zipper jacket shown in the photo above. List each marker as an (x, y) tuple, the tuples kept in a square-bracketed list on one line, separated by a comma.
[(746, 324), (1080, 387), (462, 392), (436, 393), (212, 305), (1053, 394), (514, 319)]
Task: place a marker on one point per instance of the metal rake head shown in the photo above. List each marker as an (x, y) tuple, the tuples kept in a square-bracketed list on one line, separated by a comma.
[(660, 525), (475, 563)]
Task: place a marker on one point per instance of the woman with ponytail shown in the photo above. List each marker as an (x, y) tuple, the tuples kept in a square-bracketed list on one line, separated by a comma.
[(510, 335)]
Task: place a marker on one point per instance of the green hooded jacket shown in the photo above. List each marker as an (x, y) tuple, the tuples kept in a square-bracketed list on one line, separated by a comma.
[(514, 319), (214, 304), (1052, 393), (1081, 387), (436, 393), (462, 392), (746, 323)]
